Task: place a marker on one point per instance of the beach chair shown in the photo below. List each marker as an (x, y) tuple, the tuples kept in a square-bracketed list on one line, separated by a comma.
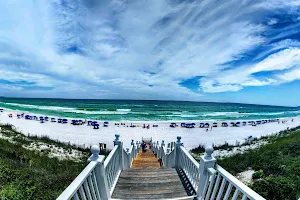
[(215, 124), (182, 124), (192, 125), (224, 124), (42, 119), (1, 109), (201, 125), (237, 123), (89, 123), (53, 119), (59, 120), (46, 118), (105, 124), (206, 125), (173, 125), (18, 116), (244, 123), (64, 121), (28, 117), (96, 126)]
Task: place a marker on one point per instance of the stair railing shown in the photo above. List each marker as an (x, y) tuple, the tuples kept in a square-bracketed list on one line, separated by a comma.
[(190, 167), (90, 183), (99, 177), (167, 157), (129, 155), (205, 177), (155, 148), (208, 179)]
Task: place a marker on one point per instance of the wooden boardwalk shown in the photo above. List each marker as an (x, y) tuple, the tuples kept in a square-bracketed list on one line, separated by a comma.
[(146, 160)]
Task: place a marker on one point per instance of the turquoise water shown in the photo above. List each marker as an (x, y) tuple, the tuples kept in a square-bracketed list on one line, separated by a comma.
[(146, 110)]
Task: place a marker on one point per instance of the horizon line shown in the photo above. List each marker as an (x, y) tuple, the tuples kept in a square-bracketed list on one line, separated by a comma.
[(148, 100)]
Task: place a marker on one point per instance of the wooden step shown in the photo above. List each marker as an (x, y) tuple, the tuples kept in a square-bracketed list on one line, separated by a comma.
[(145, 159), (158, 195), (149, 183)]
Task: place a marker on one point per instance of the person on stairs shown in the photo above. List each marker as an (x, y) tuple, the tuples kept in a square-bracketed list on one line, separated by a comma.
[(144, 147)]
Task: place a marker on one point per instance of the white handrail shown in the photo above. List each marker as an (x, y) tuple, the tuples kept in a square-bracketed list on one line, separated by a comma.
[(90, 183), (113, 167), (235, 183), (110, 155), (214, 181), (80, 181), (171, 159), (190, 167), (99, 178), (189, 156)]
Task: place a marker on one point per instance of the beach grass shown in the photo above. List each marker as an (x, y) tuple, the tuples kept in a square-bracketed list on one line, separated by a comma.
[(32, 174)]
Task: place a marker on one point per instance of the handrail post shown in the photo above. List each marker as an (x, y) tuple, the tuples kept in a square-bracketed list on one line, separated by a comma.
[(206, 161), (177, 152), (118, 142), (100, 172), (158, 149), (133, 150), (128, 161), (161, 149), (137, 148), (167, 165)]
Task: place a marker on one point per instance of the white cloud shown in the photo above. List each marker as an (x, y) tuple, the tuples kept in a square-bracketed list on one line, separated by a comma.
[(272, 22), (289, 76), (284, 59), (237, 78), (116, 49)]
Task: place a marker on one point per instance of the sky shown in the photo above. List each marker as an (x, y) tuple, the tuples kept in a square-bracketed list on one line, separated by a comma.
[(244, 51)]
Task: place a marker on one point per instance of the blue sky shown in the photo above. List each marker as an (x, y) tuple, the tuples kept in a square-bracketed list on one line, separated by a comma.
[(229, 51)]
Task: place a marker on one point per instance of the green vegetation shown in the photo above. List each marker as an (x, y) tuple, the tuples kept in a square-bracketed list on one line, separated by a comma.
[(277, 166), (32, 174)]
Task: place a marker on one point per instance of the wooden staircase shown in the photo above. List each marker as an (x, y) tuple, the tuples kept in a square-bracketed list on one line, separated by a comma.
[(147, 180), (146, 159)]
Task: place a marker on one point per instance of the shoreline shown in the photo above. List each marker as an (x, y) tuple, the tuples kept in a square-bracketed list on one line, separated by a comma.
[(191, 137)]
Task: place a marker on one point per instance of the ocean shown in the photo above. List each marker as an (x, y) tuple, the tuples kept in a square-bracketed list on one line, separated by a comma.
[(140, 110)]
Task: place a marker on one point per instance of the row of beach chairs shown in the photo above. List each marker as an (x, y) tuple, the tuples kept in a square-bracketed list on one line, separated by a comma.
[(224, 124)]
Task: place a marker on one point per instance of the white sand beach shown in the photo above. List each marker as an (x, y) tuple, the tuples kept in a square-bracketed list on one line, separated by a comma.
[(191, 137)]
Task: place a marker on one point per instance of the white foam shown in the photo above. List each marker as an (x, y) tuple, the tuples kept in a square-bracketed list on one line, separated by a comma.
[(73, 110), (123, 110), (56, 108)]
